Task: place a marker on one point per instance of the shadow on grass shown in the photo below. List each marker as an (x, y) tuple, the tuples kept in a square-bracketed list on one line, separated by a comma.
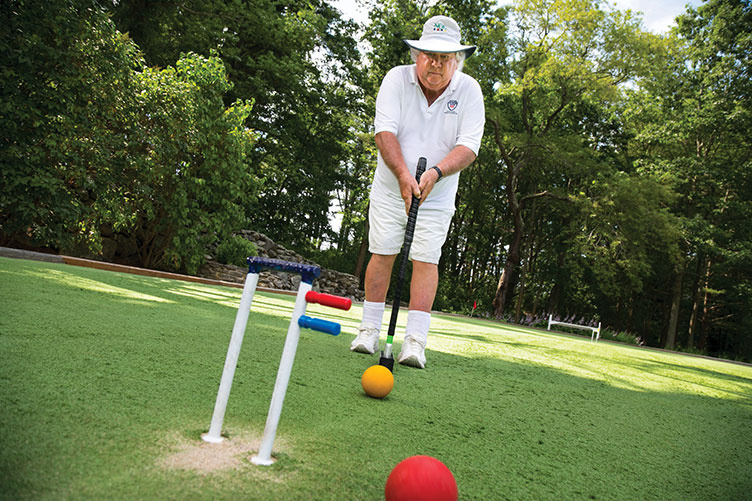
[(469, 337), (705, 372)]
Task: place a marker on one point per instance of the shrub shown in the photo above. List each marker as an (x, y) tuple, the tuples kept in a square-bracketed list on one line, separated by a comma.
[(235, 250), (622, 337), (92, 137)]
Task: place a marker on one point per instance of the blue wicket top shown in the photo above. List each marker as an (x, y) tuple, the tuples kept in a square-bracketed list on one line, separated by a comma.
[(307, 272)]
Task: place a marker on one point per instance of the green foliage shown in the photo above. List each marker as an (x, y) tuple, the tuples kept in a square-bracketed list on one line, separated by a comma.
[(622, 337), (691, 121), (613, 244), (235, 250), (66, 76), (352, 201), (391, 22), (94, 138), (299, 61), (454, 296), (189, 169)]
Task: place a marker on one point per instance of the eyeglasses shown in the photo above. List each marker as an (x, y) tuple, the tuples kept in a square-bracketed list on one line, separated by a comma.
[(440, 58)]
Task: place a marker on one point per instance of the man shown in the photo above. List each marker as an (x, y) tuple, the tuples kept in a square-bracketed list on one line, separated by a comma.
[(429, 109)]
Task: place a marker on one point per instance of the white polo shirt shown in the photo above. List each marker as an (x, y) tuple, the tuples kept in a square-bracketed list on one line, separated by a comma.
[(456, 118)]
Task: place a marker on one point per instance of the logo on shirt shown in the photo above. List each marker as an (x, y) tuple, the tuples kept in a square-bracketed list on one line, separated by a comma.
[(451, 107)]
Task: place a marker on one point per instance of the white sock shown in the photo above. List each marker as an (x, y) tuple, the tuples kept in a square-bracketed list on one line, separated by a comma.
[(373, 313), (418, 323)]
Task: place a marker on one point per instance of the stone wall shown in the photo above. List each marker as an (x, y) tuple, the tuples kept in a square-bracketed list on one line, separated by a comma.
[(330, 281)]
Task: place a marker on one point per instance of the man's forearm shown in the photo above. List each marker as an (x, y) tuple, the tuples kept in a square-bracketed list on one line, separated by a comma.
[(457, 159), (391, 152)]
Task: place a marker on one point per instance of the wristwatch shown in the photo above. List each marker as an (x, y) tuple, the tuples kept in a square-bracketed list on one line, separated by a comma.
[(438, 171)]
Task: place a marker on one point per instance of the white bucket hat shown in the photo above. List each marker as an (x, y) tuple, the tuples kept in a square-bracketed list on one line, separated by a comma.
[(441, 34)]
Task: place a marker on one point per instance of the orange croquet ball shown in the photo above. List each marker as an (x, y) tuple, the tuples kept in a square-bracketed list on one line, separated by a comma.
[(377, 381)]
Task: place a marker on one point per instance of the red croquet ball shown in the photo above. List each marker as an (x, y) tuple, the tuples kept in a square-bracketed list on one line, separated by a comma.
[(421, 478)]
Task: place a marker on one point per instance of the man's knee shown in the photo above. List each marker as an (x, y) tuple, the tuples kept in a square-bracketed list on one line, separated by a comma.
[(380, 261), (425, 268)]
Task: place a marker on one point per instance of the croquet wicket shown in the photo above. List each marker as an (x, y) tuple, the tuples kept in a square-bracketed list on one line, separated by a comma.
[(308, 274)]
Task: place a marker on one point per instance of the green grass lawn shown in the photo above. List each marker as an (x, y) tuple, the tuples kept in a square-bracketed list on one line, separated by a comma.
[(109, 379)]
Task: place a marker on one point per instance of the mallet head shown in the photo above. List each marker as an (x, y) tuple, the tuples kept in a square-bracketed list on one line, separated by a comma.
[(387, 362)]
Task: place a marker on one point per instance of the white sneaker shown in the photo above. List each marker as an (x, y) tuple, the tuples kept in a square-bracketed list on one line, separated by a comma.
[(413, 352), (367, 340)]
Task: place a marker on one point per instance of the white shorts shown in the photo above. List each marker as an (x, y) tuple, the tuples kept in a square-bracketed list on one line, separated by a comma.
[(387, 231)]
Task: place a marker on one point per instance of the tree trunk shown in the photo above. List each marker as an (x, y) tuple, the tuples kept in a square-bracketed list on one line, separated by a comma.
[(520, 297), (555, 296), (343, 239), (674, 317), (527, 271), (504, 289), (455, 261), (703, 321), (699, 286)]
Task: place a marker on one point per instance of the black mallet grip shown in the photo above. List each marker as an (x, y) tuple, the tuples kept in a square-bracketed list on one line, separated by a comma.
[(412, 216)]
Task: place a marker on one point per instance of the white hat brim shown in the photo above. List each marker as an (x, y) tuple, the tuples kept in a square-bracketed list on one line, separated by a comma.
[(440, 46)]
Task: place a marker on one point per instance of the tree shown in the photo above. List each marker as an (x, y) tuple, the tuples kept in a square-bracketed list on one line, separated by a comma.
[(298, 60), (65, 77), (565, 53), (692, 121), (184, 179), (102, 153)]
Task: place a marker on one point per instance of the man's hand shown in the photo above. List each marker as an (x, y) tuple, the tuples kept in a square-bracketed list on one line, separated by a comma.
[(391, 152), (427, 181), (457, 159), (408, 189)]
